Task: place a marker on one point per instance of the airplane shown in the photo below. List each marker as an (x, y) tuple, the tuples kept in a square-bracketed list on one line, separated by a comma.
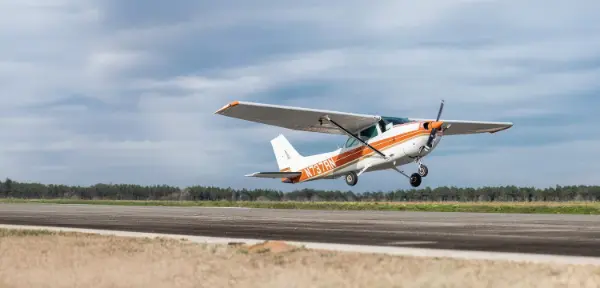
[(374, 142)]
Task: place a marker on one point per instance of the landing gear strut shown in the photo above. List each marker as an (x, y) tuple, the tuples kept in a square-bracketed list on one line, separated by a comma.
[(422, 169), (415, 179), (351, 178)]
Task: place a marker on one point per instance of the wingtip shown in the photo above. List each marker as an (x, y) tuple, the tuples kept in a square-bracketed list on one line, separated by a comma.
[(229, 105), (508, 126)]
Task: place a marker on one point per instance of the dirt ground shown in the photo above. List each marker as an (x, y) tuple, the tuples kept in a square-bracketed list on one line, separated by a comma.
[(43, 259)]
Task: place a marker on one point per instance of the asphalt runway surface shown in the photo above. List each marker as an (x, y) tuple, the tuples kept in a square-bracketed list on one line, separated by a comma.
[(574, 235)]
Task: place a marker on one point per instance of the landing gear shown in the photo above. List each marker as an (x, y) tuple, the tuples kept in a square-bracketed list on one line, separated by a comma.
[(423, 170), (415, 180), (351, 178)]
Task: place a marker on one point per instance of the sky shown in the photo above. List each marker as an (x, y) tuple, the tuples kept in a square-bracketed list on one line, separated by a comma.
[(125, 91)]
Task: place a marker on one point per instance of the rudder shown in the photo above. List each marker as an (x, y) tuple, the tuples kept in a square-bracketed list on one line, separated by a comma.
[(285, 153)]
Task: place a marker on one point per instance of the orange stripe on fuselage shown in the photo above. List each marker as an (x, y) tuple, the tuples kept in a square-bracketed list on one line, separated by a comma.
[(337, 162)]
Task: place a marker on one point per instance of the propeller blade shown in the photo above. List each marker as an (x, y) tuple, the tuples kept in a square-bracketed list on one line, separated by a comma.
[(431, 136), (434, 130), (440, 111)]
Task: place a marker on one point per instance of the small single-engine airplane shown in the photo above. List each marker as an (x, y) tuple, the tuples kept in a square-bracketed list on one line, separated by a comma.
[(374, 142)]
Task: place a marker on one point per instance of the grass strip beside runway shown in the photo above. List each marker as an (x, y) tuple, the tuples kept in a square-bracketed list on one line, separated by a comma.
[(590, 208)]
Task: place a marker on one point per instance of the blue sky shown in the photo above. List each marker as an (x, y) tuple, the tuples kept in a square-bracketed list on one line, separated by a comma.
[(125, 91)]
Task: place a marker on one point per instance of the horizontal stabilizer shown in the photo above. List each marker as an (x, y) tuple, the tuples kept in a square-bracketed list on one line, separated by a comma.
[(275, 174)]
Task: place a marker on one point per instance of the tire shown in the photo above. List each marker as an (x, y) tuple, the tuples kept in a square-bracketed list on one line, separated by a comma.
[(415, 180), (351, 179), (423, 170)]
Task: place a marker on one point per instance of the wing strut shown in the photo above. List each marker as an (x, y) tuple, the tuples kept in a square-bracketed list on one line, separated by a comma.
[(354, 136)]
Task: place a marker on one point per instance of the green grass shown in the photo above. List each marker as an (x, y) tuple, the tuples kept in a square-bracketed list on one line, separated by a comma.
[(482, 207)]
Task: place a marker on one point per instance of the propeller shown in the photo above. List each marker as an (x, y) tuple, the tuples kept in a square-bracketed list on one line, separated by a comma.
[(435, 127)]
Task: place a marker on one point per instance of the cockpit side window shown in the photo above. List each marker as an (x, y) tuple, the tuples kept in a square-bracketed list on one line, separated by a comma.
[(364, 135), (382, 125), (369, 133)]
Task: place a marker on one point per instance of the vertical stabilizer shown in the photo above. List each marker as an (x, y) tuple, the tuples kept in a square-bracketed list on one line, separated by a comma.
[(287, 157)]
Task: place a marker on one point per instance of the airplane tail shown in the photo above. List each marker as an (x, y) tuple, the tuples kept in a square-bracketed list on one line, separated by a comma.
[(287, 157)]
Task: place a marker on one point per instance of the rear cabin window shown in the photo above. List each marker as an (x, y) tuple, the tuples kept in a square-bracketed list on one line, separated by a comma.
[(351, 142)]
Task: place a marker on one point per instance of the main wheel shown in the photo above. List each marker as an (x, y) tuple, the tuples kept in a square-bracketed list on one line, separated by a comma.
[(351, 178), (415, 180), (423, 170)]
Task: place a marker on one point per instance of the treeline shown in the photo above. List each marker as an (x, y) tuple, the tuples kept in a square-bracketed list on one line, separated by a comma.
[(13, 189)]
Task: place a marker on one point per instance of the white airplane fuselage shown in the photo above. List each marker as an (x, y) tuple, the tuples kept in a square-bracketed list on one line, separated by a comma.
[(402, 144)]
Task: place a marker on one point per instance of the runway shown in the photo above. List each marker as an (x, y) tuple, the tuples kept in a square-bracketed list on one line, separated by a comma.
[(573, 235)]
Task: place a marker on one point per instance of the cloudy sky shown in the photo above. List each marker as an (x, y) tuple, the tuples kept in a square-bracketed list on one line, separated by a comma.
[(125, 91)]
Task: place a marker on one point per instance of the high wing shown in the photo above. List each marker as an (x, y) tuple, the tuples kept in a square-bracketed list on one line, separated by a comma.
[(275, 174), (297, 118), (462, 127)]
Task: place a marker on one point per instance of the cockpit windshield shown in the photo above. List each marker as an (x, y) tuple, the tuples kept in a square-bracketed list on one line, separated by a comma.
[(395, 120), (387, 123)]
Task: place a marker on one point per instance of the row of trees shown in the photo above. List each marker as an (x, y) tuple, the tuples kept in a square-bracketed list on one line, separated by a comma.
[(13, 189)]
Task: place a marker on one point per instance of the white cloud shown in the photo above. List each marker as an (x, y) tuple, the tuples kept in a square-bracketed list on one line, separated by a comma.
[(408, 78), (109, 63), (243, 81), (42, 51)]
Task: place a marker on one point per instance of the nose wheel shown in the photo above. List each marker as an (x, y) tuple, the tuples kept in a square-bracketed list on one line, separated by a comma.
[(423, 170)]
